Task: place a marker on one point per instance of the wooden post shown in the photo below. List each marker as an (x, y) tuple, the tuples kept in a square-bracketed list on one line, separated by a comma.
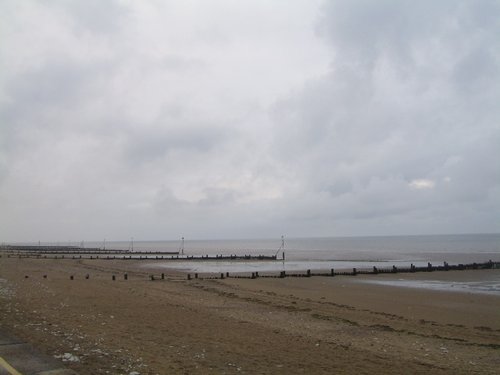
[(163, 276), (195, 275), (308, 273), (354, 272), (189, 276), (332, 272), (71, 277), (113, 277), (125, 276), (222, 275)]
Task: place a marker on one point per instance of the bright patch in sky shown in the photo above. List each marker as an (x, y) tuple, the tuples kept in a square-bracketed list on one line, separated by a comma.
[(422, 184)]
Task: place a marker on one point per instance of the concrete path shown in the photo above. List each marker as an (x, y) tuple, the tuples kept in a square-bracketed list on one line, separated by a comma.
[(19, 358)]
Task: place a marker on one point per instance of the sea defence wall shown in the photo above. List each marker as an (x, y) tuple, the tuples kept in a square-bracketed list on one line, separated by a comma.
[(70, 252), (332, 272), (34, 251), (309, 273)]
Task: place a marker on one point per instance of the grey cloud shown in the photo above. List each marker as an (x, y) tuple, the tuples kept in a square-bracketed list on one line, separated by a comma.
[(339, 187), (363, 31), (159, 141), (380, 119), (475, 72), (147, 118), (94, 16), (56, 84), (218, 197), (177, 62)]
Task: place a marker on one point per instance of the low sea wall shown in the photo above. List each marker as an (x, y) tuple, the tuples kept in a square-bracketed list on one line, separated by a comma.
[(354, 272)]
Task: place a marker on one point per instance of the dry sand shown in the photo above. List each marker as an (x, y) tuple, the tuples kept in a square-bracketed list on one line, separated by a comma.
[(263, 326)]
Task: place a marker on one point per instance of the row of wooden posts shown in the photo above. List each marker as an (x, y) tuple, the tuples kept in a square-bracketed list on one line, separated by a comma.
[(113, 277), (374, 271), (145, 257), (35, 250)]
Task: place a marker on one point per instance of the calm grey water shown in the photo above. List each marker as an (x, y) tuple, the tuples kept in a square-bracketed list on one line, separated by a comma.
[(451, 248), (490, 285), (338, 252)]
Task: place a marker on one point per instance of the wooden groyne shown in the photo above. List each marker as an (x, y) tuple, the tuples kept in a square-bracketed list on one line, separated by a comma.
[(373, 271), (75, 250), (308, 273), (62, 252)]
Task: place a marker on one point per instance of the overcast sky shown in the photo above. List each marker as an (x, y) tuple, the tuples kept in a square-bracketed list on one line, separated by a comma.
[(244, 119)]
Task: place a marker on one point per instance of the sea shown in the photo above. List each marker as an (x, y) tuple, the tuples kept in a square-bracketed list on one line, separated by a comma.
[(339, 253), (326, 253)]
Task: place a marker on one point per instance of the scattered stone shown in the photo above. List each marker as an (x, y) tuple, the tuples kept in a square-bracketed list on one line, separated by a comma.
[(68, 357)]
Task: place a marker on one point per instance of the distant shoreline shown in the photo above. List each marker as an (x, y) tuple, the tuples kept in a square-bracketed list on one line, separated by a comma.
[(236, 239)]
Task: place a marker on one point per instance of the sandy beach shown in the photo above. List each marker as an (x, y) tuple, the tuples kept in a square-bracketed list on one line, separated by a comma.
[(264, 326)]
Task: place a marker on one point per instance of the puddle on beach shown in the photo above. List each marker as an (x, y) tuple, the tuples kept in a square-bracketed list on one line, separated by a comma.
[(5, 290), (491, 286), (275, 266)]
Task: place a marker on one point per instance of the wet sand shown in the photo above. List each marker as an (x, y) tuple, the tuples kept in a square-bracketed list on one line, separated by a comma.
[(263, 326)]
